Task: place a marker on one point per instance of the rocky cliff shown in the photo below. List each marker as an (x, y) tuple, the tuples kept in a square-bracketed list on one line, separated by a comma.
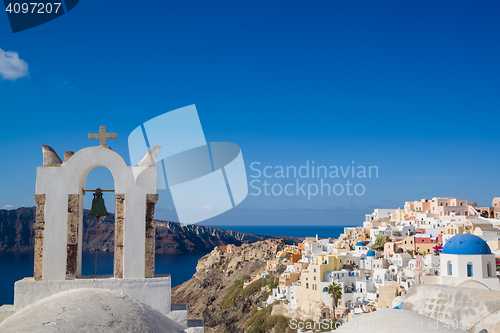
[(211, 294), (17, 234)]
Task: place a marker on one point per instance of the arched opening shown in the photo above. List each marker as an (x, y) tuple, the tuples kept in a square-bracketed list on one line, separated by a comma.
[(98, 240), (488, 268), (469, 270), (450, 268)]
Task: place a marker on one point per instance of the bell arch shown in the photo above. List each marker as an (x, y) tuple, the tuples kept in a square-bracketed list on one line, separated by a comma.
[(99, 236), (119, 203), (63, 186)]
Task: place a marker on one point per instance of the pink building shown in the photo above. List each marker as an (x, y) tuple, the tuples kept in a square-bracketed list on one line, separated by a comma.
[(449, 207), (389, 249), (444, 208), (418, 264), (299, 266)]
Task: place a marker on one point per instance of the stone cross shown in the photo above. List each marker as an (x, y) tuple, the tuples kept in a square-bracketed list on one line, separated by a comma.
[(102, 136)]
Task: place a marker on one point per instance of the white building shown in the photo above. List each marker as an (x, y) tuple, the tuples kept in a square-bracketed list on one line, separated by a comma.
[(357, 288), (381, 277), (380, 231), (316, 247), (466, 260), (379, 214), (401, 260), (360, 247), (432, 264), (282, 293), (366, 263)]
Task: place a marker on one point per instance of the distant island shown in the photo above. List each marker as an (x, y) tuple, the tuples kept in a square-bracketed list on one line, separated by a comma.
[(17, 234)]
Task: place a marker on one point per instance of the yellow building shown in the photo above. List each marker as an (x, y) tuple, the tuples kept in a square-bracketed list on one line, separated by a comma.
[(494, 245), (455, 228), (286, 279), (425, 248), (363, 237), (310, 279), (271, 263), (408, 243), (350, 232), (398, 215), (442, 230), (289, 248), (494, 231)]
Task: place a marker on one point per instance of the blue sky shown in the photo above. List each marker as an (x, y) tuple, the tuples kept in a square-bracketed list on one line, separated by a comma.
[(411, 87)]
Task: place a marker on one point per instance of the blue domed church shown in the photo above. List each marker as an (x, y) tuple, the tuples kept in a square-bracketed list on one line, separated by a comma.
[(467, 261)]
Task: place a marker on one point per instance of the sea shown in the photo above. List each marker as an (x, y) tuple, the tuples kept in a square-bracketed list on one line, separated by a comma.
[(14, 267)]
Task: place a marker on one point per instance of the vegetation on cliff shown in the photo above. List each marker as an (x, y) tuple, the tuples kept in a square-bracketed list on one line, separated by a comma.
[(217, 292), (262, 321)]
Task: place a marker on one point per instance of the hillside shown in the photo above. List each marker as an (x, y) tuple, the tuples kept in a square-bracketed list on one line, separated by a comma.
[(17, 234), (215, 293)]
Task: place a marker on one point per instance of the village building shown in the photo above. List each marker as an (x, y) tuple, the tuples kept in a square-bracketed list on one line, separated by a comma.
[(466, 260), (471, 225)]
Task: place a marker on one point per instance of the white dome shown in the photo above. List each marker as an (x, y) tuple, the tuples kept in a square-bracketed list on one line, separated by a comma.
[(89, 310)]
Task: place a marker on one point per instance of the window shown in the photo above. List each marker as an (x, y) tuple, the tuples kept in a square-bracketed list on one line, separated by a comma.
[(450, 268), (469, 269), (315, 270), (314, 278), (307, 285), (488, 269)]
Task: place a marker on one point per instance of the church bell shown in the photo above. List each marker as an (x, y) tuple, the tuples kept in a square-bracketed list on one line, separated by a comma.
[(98, 208)]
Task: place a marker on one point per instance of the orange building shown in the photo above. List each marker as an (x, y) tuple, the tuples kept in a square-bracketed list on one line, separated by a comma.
[(295, 257)]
